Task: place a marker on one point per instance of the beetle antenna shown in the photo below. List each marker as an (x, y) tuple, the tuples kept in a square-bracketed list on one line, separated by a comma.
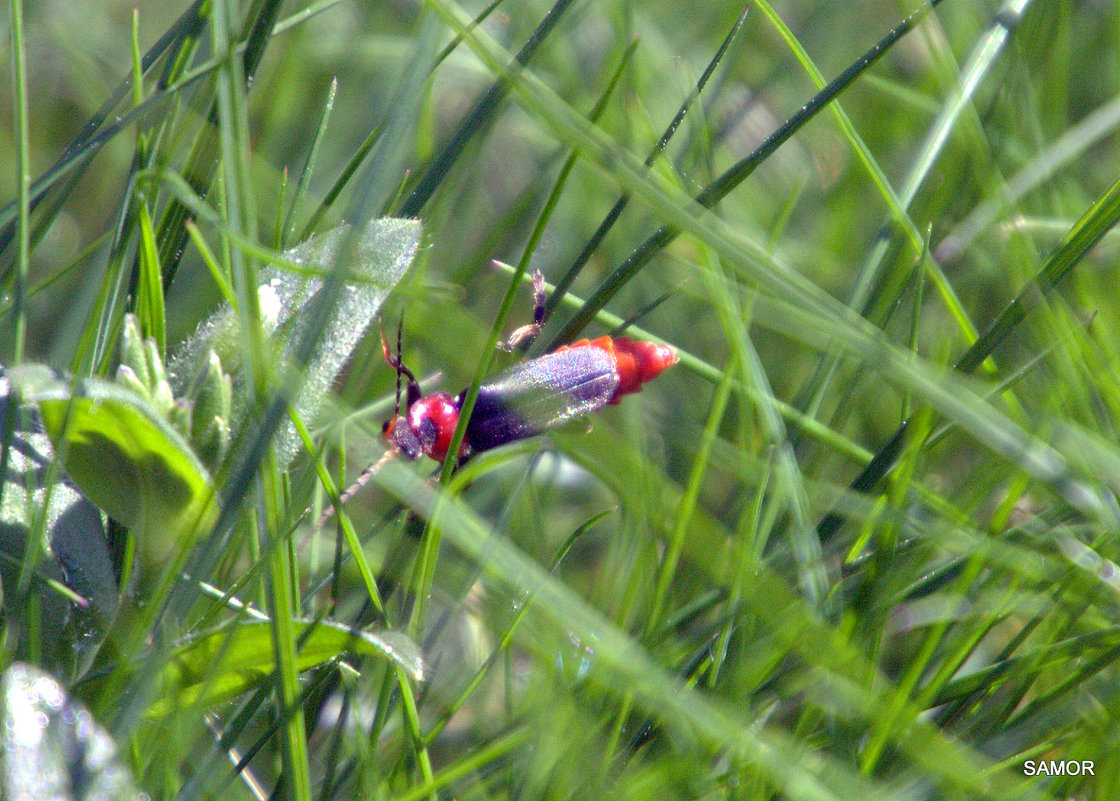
[(413, 391), (348, 493), (399, 366)]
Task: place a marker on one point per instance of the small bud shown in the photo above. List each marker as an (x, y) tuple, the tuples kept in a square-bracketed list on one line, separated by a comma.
[(213, 443), (128, 379), (213, 395), (132, 351), (154, 361), (163, 398), (181, 417)]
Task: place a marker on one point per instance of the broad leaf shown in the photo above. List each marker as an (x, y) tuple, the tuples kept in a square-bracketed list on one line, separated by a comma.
[(226, 662), (124, 457), (38, 500)]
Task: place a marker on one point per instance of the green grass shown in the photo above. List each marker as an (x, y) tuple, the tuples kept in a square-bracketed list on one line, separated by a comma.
[(860, 543)]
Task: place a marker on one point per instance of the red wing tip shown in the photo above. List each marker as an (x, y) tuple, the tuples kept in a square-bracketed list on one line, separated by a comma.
[(653, 356), (668, 355), (639, 361)]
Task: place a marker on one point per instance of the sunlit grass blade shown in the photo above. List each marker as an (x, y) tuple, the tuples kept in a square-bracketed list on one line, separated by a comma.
[(1101, 217), (287, 230), (149, 290), (731, 178), (618, 655), (200, 166), (174, 37), (611, 217), (958, 106), (478, 117)]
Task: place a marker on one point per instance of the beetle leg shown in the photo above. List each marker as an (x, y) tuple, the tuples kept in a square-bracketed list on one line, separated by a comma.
[(524, 336)]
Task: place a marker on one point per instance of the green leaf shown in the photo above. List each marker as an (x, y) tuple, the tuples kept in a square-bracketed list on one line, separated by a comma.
[(226, 662), (40, 502), (377, 259), (149, 298), (124, 457)]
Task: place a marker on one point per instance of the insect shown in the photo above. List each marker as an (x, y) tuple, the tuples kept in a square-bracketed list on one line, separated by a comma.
[(525, 400), (528, 398)]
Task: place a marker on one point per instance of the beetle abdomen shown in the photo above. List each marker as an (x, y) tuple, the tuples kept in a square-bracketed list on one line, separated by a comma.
[(537, 395)]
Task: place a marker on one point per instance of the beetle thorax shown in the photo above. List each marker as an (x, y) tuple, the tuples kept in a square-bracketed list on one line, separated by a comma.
[(433, 419)]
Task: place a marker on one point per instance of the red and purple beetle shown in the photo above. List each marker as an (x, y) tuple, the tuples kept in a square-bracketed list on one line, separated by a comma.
[(526, 399)]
